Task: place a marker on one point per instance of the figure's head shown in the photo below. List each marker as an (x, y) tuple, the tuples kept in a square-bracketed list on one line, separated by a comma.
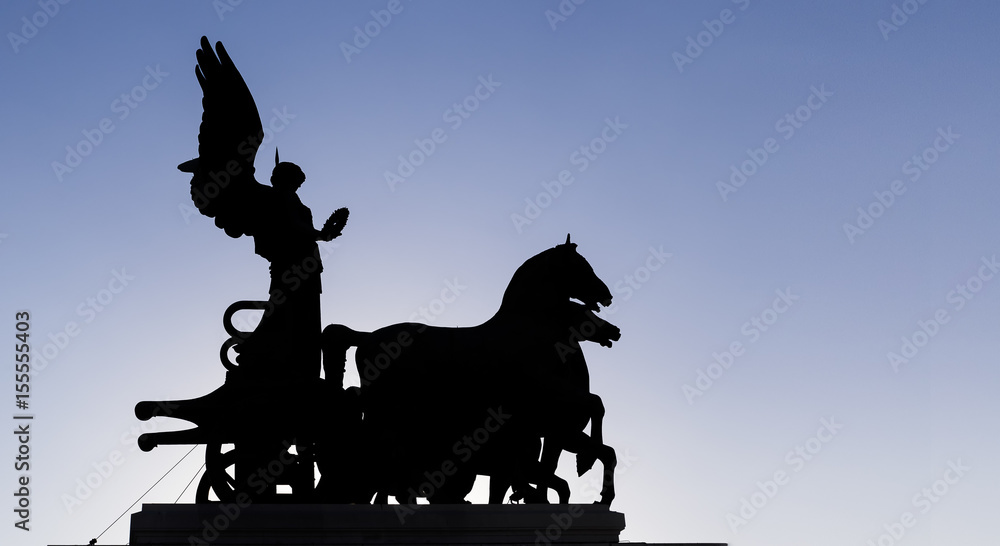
[(286, 176)]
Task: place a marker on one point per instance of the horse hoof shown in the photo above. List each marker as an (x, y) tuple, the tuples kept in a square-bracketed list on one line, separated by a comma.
[(531, 496), (605, 500)]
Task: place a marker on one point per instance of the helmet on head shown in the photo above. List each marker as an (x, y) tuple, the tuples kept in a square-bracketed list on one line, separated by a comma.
[(286, 174)]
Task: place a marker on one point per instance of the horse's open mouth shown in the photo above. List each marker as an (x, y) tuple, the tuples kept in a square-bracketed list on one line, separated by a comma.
[(594, 306)]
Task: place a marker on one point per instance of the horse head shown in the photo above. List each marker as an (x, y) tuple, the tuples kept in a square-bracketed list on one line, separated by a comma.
[(577, 278), (557, 275)]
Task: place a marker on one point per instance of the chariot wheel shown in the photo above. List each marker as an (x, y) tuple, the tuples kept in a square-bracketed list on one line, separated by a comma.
[(219, 476)]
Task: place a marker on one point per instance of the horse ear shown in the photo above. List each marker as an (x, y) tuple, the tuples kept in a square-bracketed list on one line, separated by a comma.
[(275, 156), (567, 238)]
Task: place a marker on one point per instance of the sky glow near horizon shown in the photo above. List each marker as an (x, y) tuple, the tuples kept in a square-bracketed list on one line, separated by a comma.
[(776, 209)]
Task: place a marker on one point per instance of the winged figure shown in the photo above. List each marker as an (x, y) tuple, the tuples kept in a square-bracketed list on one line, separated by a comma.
[(223, 187)]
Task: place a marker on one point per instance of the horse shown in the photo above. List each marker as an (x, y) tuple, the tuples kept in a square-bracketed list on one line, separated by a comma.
[(584, 406), (435, 400), (576, 406)]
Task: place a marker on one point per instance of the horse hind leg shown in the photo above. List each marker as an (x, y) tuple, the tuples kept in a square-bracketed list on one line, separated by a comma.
[(499, 484), (545, 471), (555, 483), (561, 487)]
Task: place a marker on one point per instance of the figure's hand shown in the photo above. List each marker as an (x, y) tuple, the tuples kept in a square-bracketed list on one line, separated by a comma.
[(334, 225)]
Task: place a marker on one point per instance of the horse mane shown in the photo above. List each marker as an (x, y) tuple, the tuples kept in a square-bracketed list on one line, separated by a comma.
[(527, 286)]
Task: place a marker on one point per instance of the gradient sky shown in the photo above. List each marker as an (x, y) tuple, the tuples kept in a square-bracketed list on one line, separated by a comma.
[(832, 101)]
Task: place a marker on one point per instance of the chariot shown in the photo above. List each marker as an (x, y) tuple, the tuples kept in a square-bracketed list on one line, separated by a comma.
[(419, 423)]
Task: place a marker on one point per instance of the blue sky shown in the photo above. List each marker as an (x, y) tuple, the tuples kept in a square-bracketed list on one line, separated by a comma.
[(821, 107)]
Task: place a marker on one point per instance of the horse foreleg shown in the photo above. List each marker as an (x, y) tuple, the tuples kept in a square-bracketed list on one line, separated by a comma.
[(594, 409), (585, 447), (609, 460), (597, 419)]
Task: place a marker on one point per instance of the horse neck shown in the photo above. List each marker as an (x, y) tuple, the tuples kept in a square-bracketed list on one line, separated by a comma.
[(530, 294), (528, 305)]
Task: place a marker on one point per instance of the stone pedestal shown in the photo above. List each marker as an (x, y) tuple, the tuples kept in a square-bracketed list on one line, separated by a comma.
[(322, 525)]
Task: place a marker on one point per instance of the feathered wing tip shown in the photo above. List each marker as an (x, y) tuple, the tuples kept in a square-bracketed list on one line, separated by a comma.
[(229, 117)]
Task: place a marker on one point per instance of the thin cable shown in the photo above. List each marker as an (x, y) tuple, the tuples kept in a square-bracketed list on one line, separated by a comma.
[(189, 483), (144, 494)]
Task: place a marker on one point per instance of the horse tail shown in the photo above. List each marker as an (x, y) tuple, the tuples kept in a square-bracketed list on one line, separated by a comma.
[(336, 340)]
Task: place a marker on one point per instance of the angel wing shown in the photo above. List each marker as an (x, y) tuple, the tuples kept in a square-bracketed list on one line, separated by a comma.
[(223, 184)]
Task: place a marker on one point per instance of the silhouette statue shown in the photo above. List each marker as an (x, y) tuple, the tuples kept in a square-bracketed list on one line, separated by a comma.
[(436, 406), (223, 187), (285, 346)]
